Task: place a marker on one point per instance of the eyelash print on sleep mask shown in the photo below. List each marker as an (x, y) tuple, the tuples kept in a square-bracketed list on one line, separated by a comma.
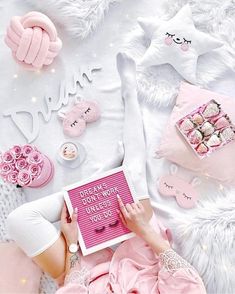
[(184, 192), (75, 120)]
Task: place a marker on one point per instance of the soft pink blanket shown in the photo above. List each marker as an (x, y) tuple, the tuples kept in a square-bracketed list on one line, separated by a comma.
[(134, 268)]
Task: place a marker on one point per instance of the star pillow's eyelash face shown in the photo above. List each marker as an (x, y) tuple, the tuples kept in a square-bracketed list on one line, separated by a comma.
[(173, 38), (169, 39)]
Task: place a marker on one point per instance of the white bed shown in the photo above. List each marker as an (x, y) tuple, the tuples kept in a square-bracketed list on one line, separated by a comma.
[(17, 87)]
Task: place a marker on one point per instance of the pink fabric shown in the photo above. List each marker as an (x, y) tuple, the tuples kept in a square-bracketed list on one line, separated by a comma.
[(174, 148), (18, 273), (135, 269), (33, 40)]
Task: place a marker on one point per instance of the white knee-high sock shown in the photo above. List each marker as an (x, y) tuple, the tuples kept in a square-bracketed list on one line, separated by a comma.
[(133, 132), (31, 225)]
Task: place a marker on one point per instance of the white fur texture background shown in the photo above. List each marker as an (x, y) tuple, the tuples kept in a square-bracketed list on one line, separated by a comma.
[(79, 18), (206, 239), (159, 85)]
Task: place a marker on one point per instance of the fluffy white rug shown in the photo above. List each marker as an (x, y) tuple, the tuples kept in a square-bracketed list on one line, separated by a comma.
[(206, 239), (78, 17), (159, 85)]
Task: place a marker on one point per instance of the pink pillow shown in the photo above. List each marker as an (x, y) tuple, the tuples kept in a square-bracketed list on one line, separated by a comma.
[(219, 165), (18, 273)]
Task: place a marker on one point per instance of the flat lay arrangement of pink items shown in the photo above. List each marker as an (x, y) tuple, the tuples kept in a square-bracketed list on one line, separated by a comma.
[(207, 128), (99, 224)]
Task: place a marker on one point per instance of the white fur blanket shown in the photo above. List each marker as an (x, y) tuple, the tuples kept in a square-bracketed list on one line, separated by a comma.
[(79, 18), (206, 238)]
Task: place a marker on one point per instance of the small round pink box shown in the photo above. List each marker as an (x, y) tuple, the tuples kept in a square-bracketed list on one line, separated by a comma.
[(46, 175)]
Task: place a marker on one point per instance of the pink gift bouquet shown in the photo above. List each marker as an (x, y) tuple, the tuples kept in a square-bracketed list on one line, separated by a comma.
[(25, 166)]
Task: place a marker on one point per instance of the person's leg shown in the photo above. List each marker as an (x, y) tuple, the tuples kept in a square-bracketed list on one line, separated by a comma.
[(31, 226), (133, 132)]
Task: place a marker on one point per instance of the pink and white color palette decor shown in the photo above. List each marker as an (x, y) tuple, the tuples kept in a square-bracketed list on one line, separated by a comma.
[(25, 166), (99, 225), (33, 40), (207, 128)]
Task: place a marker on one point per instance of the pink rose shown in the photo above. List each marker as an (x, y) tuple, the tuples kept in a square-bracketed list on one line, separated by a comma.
[(24, 178), (21, 164), (16, 151), (27, 149), (12, 177), (35, 157), (5, 169), (8, 157), (13, 166), (35, 170)]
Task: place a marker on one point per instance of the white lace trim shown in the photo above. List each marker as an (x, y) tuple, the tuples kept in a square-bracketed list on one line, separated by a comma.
[(172, 261), (81, 277)]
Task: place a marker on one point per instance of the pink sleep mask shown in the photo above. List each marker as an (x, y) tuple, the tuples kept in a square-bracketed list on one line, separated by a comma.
[(184, 192), (75, 120)]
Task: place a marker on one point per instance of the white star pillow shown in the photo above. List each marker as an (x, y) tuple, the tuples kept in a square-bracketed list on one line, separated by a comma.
[(176, 42)]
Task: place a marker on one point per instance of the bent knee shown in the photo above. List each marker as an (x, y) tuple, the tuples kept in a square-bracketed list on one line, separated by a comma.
[(18, 219)]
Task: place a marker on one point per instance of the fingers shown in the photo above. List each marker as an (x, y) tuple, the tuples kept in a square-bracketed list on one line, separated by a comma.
[(129, 208), (75, 215), (121, 217), (64, 212), (122, 207), (140, 206), (65, 217)]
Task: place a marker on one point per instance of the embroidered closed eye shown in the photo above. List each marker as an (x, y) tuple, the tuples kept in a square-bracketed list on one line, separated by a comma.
[(88, 110), (168, 186), (170, 35), (187, 197), (73, 124), (187, 41)]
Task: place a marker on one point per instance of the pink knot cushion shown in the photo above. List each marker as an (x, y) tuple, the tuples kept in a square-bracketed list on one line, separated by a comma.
[(220, 164), (33, 40)]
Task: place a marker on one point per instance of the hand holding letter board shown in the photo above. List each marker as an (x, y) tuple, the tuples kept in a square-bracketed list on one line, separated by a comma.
[(99, 224)]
